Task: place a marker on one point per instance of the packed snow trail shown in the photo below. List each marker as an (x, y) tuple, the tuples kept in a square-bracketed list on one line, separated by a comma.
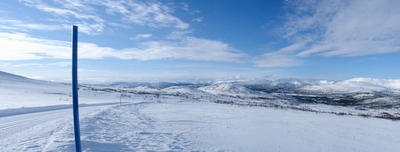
[(196, 126), (39, 130), (126, 128), (14, 124)]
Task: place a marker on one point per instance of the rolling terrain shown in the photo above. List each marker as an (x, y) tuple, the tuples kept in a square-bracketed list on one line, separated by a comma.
[(252, 115)]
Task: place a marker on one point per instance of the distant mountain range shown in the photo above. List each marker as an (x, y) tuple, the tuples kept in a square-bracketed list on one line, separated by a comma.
[(365, 97), (365, 92), (280, 85), (362, 92)]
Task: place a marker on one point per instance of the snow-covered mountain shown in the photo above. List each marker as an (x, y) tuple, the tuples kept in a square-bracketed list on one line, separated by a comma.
[(228, 88), (280, 85), (271, 86), (356, 85), (155, 85)]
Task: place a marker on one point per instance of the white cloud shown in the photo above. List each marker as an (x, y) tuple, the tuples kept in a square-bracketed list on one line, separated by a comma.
[(177, 35), (199, 19), (70, 12), (16, 24), (185, 7), (53, 64), (152, 14), (344, 28), (141, 36), (86, 14), (335, 28), (19, 46), (190, 48)]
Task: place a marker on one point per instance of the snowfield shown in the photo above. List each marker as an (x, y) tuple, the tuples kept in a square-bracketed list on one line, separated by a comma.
[(198, 126), (37, 116)]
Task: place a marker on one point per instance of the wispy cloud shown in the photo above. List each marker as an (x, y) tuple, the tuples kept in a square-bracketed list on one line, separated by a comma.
[(141, 36), (90, 17), (18, 46), (335, 28), (185, 6), (189, 48), (20, 25), (199, 19), (54, 64), (70, 12), (344, 28), (179, 34), (154, 14)]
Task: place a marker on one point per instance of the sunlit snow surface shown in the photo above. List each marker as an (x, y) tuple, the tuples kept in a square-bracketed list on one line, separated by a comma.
[(37, 116)]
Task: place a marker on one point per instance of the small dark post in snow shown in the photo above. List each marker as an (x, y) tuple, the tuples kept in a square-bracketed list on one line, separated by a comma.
[(75, 88)]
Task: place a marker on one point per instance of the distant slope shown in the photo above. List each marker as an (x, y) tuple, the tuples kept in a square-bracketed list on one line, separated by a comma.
[(5, 77), (9, 78), (18, 91)]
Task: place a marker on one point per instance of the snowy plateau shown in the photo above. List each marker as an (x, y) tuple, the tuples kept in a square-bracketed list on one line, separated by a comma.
[(360, 114)]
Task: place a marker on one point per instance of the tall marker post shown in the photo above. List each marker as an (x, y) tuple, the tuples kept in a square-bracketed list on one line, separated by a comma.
[(75, 88)]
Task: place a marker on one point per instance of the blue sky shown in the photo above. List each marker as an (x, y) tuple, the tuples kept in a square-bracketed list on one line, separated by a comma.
[(174, 40)]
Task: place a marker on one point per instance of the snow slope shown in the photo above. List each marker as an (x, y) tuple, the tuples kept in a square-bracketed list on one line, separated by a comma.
[(21, 92), (199, 126), (17, 91)]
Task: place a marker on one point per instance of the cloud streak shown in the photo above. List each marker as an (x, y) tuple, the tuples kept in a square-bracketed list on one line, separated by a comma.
[(92, 17), (17, 25), (141, 36), (335, 28), (89, 15), (54, 64), (199, 19), (18, 46), (68, 13), (344, 28), (154, 14)]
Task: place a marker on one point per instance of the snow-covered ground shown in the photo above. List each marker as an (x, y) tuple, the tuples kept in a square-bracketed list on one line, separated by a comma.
[(37, 116), (196, 126)]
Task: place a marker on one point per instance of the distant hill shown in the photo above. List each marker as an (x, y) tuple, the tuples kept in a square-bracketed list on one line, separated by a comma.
[(4, 76)]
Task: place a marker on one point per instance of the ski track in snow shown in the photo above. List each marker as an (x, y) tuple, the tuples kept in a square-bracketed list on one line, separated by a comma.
[(39, 131), (125, 128)]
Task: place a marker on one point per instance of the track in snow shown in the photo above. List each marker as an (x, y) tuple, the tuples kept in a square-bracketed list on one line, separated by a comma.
[(38, 130), (103, 128)]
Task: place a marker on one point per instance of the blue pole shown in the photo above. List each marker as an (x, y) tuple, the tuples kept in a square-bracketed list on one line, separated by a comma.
[(75, 88)]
